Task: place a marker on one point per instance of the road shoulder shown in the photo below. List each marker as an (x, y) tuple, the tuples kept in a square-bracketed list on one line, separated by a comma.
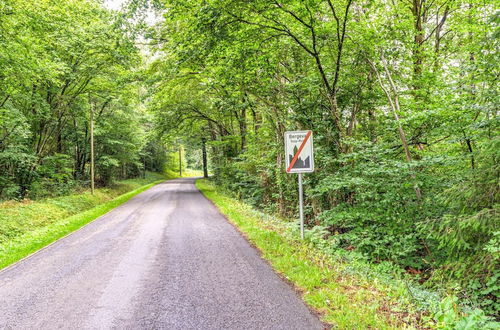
[(34, 241), (342, 300)]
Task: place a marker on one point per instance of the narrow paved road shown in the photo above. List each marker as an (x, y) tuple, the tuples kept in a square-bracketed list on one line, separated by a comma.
[(166, 259)]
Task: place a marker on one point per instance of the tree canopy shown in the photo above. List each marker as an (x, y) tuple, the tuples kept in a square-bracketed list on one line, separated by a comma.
[(402, 97), (59, 61)]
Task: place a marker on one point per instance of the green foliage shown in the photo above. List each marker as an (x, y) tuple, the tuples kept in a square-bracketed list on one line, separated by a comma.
[(344, 299), (403, 102), (447, 317), (376, 207), (26, 227), (468, 236), (60, 60)]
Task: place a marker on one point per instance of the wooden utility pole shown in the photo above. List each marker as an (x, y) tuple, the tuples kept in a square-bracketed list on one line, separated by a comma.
[(204, 154), (180, 162), (92, 148)]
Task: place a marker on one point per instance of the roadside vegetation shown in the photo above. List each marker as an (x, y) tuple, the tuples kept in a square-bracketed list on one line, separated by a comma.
[(402, 97), (343, 287), (26, 226), (59, 61)]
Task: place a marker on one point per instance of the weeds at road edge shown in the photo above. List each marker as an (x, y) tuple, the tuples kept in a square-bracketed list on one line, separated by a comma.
[(31, 241), (344, 301)]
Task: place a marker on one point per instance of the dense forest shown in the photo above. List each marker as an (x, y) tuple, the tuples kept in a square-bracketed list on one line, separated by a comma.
[(59, 62), (402, 97)]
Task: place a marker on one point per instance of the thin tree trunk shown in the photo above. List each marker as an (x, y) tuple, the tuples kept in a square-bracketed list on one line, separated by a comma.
[(180, 162), (394, 103), (419, 41), (243, 128), (204, 156)]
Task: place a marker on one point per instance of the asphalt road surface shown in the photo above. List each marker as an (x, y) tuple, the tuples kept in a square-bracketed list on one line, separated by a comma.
[(166, 259)]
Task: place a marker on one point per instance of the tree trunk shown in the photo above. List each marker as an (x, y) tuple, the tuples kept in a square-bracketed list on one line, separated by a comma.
[(418, 43), (243, 128), (92, 149), (180, 162), (204, 156), (438, 37), (394, 103), (335, 113)]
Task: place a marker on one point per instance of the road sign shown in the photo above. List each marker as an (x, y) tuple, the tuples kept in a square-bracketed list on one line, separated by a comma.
[(299, 159), (299, 152)]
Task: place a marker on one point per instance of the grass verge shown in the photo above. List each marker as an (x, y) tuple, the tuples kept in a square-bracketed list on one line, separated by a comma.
[(28, 226), (343, 299)]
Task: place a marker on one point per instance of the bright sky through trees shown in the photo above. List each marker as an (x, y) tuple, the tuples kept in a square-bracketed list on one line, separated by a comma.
[(114, 4)]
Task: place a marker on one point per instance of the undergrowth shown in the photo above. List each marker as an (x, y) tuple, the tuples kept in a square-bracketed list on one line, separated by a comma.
[(348, 290)]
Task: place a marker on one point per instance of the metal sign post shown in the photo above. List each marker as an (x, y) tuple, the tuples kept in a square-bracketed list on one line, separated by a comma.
[(92, 161), (301, 207), (299, 157)]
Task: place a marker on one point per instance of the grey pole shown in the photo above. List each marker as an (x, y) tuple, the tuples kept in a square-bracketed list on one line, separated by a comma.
[(92, 174), (301, 207), (204, 156), (180, 162)]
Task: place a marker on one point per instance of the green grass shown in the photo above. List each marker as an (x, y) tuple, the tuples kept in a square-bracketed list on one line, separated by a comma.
[(186, 173), (344, 300), (27, 226)]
